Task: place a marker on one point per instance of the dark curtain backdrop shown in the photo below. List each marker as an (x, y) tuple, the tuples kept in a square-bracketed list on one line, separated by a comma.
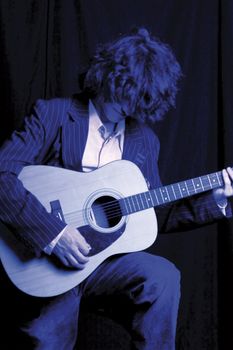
[(45, 44)]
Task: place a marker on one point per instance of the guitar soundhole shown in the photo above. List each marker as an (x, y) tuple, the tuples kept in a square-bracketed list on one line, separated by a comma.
[(106, 212)]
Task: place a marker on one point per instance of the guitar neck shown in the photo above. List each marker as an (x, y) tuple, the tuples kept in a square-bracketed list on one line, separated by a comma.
[(170, 193)]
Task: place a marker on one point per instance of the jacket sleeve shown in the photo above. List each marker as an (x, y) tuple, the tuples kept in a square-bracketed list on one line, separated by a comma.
[(185, 214), (19, 209), (190, 213)]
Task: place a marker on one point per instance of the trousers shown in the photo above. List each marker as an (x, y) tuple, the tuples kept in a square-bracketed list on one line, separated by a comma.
[(150, 283)]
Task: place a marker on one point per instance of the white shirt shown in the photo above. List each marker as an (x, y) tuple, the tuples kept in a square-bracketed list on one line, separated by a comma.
[(101, 147)]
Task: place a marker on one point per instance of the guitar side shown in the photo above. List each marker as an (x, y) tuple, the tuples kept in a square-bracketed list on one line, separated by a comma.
[(41, 276)]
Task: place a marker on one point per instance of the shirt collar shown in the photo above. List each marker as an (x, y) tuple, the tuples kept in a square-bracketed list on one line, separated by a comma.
[(96, 124)]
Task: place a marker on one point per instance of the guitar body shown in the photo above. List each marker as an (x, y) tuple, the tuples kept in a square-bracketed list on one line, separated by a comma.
[(78, 199)]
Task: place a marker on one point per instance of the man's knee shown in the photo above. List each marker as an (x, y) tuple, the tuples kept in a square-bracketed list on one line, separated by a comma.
[(158, 275)]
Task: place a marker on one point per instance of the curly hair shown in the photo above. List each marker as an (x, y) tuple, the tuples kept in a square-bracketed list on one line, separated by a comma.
[(137, 69)]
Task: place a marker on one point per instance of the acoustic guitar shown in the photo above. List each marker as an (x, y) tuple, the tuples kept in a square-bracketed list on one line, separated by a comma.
[(111, 206)]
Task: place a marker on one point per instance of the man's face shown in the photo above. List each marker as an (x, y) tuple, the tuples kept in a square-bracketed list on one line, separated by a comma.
[(113, 112)]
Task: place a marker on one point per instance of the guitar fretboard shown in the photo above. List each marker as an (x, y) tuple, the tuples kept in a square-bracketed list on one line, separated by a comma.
[(170, 193)]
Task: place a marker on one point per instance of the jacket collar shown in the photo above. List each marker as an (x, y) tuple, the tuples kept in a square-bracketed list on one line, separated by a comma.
[(134, 146), (79, 108)]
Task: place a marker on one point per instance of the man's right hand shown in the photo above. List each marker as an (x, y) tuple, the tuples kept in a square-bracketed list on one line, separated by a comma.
[(72, 248)]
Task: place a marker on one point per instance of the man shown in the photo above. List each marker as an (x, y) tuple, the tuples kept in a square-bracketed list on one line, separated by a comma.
[(130, 81)]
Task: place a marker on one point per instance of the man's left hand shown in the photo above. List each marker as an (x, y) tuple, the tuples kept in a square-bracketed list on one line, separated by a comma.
[(221, 194)]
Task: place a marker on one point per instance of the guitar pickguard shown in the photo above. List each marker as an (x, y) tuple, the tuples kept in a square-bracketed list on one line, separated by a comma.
[(99, 240)]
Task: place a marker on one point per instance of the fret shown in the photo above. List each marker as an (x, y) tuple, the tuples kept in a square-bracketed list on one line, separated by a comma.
[(193, 185), (150, 199), (123, 206), (190, 186), (202, 187), (140, 197), (146, 201), (186, 186), (154, 197), (197, 184), (183, 189), (163, 194), (166, 189), (219, 177), (177, 192), (132, 202), (158, 194), (208, 177), (213, 180), (206, 182), (130, 209), (171, 192), (136, 197), (129, 205)]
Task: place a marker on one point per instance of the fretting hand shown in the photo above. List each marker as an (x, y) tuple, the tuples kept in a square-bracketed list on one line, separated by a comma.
[(221, 194), (72, 248)]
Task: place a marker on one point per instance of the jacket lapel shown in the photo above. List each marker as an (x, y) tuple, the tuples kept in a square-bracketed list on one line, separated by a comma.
[(74, 134), (134, 147)]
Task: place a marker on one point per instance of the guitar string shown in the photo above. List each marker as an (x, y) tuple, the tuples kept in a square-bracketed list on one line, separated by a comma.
[(106, 206), (111, 215), (114, 214), (164, 190), (112, 210), (112, 204), (178, 195), (99, 208)]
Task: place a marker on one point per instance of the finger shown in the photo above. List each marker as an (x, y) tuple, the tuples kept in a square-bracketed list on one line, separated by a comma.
[(83, 246), (226, 177), (77, 254), (84, 250), (73, 262), (230, 172), (228, 190), (63, 260)]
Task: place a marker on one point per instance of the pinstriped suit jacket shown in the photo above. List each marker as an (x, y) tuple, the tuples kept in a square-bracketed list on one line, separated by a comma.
[(55, 134)]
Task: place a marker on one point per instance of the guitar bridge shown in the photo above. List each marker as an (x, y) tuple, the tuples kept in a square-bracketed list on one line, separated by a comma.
[(57, 210)]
